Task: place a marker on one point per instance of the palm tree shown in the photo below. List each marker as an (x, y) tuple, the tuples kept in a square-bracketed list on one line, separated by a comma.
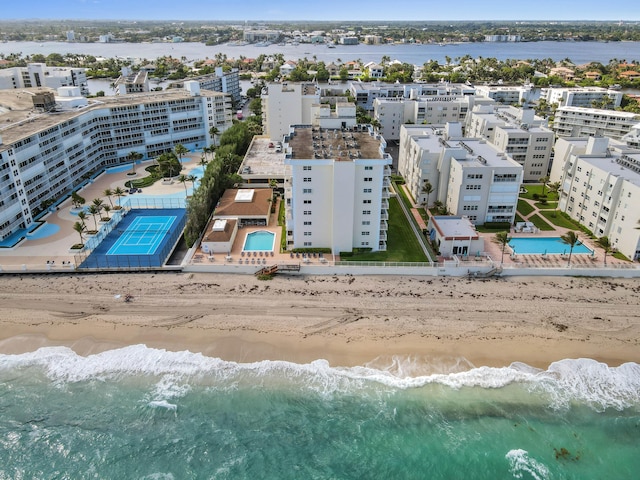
[(555, 188), (192, 179), (94, 211), (79, 227), (605, 244), (108, 193), (107, 209), (180, 150), (118, 192), (502, 239), (544, 181), (98, 203), (214, 131), (183, 179), (82, 217), (427, 188), (570, 238), (132, 157)]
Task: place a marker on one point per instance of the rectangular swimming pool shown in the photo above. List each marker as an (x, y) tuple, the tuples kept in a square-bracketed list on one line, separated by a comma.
[(545, 245)]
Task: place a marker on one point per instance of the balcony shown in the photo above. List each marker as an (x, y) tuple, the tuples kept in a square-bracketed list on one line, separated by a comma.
[(384, 205), (385, 194), (383, 236), (384, 225)]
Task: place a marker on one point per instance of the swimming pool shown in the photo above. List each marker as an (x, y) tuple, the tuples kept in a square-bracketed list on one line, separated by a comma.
[(545, 245), (260, 240)]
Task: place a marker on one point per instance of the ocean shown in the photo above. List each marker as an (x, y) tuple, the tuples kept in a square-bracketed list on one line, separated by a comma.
[(145, 413)]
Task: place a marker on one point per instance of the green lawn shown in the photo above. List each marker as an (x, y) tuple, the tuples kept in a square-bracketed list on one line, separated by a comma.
[(557, 218), (402, 245), (546, 206), (536, 188), (538, 221), (524, 208)]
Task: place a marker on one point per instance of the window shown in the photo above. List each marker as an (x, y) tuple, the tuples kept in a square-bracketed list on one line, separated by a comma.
[(308, 244), (307, 202), (306, 168), (366, 201), (307, 223), (306, 179), (369, 167), (368, 179), (307, 234), (366, 212), (366, 190), (365, 233), (307, 212), (473, 187), (366, 222), (306, 190), (474, 175), (469, 208), (364, 244)]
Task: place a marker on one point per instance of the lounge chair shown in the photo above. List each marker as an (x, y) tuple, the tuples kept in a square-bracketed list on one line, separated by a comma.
[(271, 252), (242, 253)]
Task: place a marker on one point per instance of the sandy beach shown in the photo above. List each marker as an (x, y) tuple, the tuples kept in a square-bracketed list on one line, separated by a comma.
[(350, 320)]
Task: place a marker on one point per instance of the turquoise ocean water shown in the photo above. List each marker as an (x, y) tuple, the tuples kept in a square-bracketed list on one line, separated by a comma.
[(143, 413)]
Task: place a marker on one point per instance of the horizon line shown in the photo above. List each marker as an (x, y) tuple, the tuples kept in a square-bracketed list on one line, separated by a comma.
[(318, 21)]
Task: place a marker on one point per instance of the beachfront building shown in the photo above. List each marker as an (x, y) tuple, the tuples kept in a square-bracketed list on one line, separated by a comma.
[(516, 131), (45, 156), (470, 177), (454, 236), (337, 195), (220, 81), (600, 188), (593, 122), (40, 75), (581, 96), (286, 104)]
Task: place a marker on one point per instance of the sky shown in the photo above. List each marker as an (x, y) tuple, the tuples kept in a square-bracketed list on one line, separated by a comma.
[(270, 10)]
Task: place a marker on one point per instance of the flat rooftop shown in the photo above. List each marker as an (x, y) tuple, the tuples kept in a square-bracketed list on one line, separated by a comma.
[(311, 143), (263, 161), (455, 228), (19, 118)]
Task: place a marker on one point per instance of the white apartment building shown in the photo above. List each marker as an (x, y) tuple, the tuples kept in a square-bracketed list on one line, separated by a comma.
[(593, 122), (600, 188), (337, 196), (469, 176), (39, 75), (43, 157), (132, 82), (516, 131), (365, 93), (434, 109), (286, 104), (343, 116), (506, 94), (219, 81), (581, 96)]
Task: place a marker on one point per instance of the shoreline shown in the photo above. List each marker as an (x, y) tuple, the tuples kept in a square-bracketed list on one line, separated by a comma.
[(438, 323)]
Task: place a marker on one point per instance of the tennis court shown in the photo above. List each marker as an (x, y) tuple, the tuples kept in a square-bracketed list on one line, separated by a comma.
[(143, 236)]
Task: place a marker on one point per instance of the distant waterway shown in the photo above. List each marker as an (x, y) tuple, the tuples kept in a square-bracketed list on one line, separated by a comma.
[(577, 52)]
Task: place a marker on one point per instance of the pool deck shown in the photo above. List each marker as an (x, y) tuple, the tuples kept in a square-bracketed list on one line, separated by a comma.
[(33, 254)]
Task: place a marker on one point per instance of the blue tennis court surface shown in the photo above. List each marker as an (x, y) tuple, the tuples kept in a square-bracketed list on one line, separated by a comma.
[(143, 238)]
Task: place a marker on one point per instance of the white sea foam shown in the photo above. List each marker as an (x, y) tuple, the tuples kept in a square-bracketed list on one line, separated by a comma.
[(163, 404), (521, 462), (581, 380)]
